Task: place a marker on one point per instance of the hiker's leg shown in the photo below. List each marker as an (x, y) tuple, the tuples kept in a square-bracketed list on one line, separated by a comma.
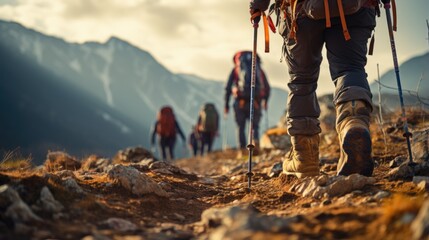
[(210, 139), (347, 59), (203, 142), (195, 147), (352, 97), (163, 144), (240, 119), (171, 144), (304, 56)]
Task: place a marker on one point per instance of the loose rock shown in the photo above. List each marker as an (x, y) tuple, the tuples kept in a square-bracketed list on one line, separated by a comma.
[(138, 183)]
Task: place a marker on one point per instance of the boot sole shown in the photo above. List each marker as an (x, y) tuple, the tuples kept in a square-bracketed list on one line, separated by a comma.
[(357, 146)]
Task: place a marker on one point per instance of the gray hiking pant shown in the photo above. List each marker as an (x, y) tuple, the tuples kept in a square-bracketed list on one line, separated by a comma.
[(347, 60)]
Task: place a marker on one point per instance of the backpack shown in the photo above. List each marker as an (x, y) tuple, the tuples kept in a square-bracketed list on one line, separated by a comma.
[(209, 117), (289, 10), (166, 126), (243, 77)]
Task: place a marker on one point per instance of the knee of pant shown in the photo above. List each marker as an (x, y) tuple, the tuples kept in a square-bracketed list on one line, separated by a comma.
[(302, 89)]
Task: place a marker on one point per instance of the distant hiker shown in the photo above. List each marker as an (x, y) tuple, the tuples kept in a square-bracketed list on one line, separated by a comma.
[(345, 33), (166, 127), (194, 141), (239, 85), (208, 125)]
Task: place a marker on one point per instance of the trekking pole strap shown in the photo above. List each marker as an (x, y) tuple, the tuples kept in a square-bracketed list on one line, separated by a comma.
[(294, 26), (343, 20), (255, 17), (327, 13), (266, 32), (394, 26)]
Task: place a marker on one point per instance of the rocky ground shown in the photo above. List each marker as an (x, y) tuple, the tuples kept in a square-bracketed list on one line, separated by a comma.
[(134, 196)]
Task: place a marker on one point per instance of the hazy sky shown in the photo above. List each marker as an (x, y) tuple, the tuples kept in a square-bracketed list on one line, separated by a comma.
[(200, 36)]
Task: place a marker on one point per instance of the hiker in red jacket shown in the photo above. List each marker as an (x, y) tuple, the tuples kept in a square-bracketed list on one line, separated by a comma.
[(166, 127), (345, 33)]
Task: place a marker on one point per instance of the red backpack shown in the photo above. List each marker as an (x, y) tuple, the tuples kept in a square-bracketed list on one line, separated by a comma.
[(166, 126)]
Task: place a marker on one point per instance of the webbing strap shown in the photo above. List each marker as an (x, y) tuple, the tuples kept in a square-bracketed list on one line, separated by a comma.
[(293, 29), (283, 6), (394, 26), (255, 15), (267, 32), (327, 14), (343, 20)]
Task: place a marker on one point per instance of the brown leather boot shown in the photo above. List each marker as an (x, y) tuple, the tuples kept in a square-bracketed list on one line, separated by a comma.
[(303, 158), (355, 140)]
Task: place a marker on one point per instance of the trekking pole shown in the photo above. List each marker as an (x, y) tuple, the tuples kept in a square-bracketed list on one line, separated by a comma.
[(407, 134), (267, 123), (224, 139), (255, 17)]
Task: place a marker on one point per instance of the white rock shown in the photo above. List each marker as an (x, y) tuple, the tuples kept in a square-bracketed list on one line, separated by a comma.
[(323, 186), (382, 194), (135, 181), (121, 225)]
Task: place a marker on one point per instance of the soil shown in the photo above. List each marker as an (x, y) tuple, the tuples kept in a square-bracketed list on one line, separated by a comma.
[(218, 180)]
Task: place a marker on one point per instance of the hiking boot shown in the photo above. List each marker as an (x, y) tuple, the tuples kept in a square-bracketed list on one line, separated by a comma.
[(355, 140), (303, 158), (242, 153), (256, 149)]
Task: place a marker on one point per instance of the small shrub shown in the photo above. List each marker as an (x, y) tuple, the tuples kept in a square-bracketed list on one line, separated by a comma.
[(13, 161)]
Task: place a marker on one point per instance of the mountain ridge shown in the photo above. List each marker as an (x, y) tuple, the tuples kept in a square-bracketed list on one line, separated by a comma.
[(128, 79)]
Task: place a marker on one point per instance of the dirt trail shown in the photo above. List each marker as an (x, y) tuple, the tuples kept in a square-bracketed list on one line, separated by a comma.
[(382, 210)]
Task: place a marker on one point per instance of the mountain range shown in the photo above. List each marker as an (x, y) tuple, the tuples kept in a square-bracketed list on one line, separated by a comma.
[(95, 98), (413, 74), (98, 98)]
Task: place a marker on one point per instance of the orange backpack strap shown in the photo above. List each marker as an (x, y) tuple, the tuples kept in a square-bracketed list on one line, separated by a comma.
[(327, 14), (293, 28), (343, 20), (266, 32)]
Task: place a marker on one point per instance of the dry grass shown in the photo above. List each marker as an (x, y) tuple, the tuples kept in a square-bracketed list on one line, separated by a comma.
[(58, 161), (399, 206), (14, 161)]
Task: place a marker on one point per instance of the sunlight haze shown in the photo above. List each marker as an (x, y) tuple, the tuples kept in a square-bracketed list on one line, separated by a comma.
[(200, 37)]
